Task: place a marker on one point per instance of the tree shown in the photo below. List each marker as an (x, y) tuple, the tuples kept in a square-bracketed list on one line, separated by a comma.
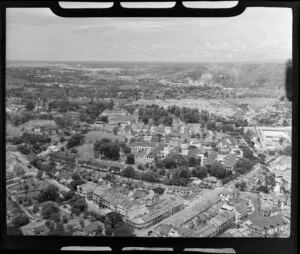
[(81, 222), (108, 230), (20, 221), (192, 162), (114, 220), (49, 209), (150, 177), (211, 125), (200, 172), (107, 149), (169, 163), (78, 204), (29, 105), (129, 172), (184, 173), (35, 209), (130, 159), (159, 190), (104, 119), (75, 140), (68, 195), (115, 130), (39, 174), (242, 166), (217, 170), (49, 193), (99, 230), (123, 230), (74, 151), (19, 170)]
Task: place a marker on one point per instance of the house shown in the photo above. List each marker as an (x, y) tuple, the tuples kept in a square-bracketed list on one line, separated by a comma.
[(230, 162), (209, 230), (223, 221), (62, 157), (86, 190), (210, 182), (241, 211), (114, 113), (211, 158), (269, 226), (179, 190), (65, 210), (100, 165), (37, 227), (139, 146), (127, 120)]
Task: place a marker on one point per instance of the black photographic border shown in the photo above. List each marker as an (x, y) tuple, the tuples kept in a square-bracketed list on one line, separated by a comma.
[(241, 245)]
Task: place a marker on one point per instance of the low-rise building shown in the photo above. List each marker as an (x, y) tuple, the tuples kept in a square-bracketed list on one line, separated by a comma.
[(223, 221), (37, 227), (86, 190), (230, 162), (210, 182), (268, 226)]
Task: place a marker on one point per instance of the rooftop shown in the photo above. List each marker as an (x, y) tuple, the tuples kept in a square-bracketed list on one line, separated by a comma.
[(221, 218), (88, 186)]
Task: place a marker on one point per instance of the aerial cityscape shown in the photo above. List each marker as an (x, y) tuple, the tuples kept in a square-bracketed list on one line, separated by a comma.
[(148, 148)]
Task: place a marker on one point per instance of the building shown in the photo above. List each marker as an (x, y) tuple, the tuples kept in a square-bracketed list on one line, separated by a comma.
[(181, 190), (269, 226), (230, 162), (62, 157), (241, 211), (209, 230), (86, 190), (127, 120), (223, 221), (211, 158), (140, 146), (37, 227), (164, 209), (100, 165), (129, 207), (210, 182), (114, 113)]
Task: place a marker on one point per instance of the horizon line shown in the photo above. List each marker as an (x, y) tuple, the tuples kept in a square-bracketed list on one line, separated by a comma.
[(154, 61)]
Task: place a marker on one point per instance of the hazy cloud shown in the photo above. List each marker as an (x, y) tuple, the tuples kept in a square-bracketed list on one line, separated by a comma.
[(257, 34)]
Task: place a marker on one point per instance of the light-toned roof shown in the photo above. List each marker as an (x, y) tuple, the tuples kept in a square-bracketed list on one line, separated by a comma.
[(189, 213), (221, 218), (269, 222), (240, 207), (207, 230), (88, 186)]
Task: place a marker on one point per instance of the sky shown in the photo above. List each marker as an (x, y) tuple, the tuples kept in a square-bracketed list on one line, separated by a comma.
[(258, 34)]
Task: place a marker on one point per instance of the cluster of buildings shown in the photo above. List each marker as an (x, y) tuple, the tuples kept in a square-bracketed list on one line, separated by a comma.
[(140, 207)]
